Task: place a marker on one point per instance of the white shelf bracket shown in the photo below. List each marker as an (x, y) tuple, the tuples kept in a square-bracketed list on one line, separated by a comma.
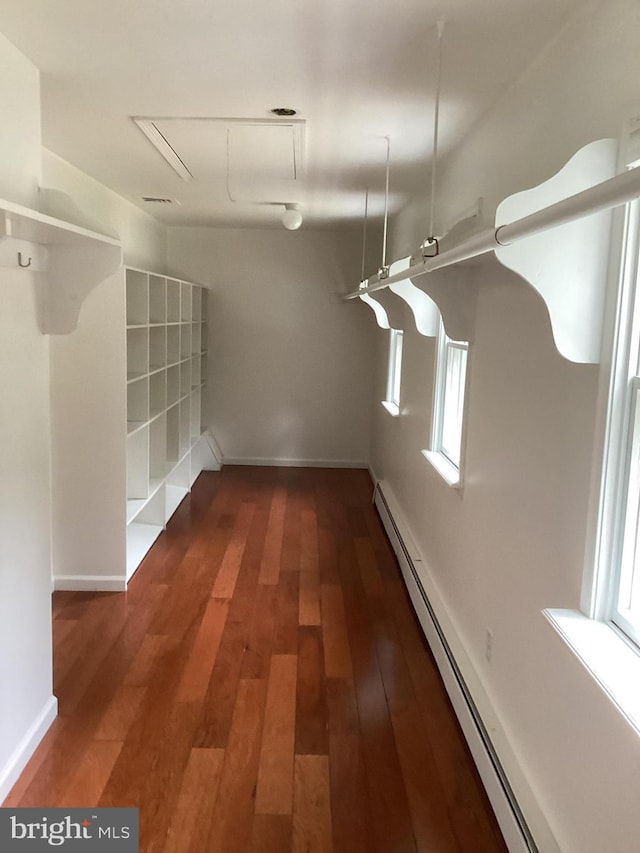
[(567, 265), (68, 261), (73, 272)]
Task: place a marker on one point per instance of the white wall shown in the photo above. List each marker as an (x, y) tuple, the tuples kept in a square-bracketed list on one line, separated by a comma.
[(26, 702), (20, 126), (513, 542), (142, 236), (289, 372)]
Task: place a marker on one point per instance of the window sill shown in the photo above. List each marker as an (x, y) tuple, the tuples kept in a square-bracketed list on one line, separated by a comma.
[(612, 661), (449, 473), (391, 408)]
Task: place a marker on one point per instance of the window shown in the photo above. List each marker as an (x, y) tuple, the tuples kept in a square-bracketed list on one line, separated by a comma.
[(606, 634), (394, 372), (445, 452), (616, 591)]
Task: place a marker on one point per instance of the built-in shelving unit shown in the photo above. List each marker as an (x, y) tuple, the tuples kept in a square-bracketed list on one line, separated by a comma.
[(166, 370), (128, 436)]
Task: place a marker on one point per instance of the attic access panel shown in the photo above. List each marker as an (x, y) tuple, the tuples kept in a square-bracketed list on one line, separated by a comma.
[(250, 154)]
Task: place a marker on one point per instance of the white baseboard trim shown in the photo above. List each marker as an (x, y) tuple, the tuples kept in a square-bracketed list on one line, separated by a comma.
[(374, 477), (523, 824), (27, 746), (90, 583), (295, 463)]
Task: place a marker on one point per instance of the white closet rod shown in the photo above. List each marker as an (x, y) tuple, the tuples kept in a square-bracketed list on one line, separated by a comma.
[(611, 193)]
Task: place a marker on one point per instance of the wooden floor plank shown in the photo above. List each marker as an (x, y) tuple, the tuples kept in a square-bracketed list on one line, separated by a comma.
[(337, 654), (159, 794), (231, 821), (472, 820), (285, 640), (262, 686), (369, 571), (189, 825), (312, 813), (228, 573), (87, 783), (120, 714), (219, 701), (271, 834), (197, 672), (389, 803), (311, 712), (274, 794), (290, 554), (429, 813), (259, 634), (272, 552), (309, 600), (141, 668), (351, 818)]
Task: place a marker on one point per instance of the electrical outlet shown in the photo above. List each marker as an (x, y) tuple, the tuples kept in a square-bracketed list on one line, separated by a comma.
[(488, 646)]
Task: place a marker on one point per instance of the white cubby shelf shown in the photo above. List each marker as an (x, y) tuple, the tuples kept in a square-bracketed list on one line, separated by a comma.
[(166, 446)]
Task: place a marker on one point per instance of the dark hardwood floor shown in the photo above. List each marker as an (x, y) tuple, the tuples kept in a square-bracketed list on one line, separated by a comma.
[(262, 686)]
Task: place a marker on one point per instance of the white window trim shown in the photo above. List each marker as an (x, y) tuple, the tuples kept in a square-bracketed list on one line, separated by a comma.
[(447, 470), (607, 656), (394, 371), (451, 473), (393, 410)]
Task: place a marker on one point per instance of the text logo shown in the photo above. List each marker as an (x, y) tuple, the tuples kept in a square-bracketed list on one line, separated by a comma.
[(86, 830)]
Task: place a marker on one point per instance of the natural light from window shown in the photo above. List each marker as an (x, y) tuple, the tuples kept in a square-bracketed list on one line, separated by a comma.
[(445, 452), (394, 372)]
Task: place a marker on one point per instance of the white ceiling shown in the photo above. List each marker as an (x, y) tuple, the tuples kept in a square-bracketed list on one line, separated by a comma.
[(356, 71)]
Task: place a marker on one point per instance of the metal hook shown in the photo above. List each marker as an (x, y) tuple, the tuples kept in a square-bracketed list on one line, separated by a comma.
[(20, 264)]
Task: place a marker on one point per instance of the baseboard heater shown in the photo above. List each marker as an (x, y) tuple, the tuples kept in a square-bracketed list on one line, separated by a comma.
[(512, 822)]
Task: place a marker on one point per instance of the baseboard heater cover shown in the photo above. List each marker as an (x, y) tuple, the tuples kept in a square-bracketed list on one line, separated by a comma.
[(517, 834), (290, 462)]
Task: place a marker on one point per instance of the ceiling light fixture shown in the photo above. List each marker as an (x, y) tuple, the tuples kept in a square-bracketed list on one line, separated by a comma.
[(292, 217)]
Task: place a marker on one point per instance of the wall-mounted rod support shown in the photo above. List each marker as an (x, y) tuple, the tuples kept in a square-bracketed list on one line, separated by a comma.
[(364, 235), (20, 264), (384, 271), (436, 125), (604, 196)]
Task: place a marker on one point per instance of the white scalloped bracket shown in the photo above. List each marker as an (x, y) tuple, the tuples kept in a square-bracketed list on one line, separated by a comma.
[(568, 264), (449, 293), (425, 311), (378, 310), (454, 291), (393, 307), (67, 261)]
